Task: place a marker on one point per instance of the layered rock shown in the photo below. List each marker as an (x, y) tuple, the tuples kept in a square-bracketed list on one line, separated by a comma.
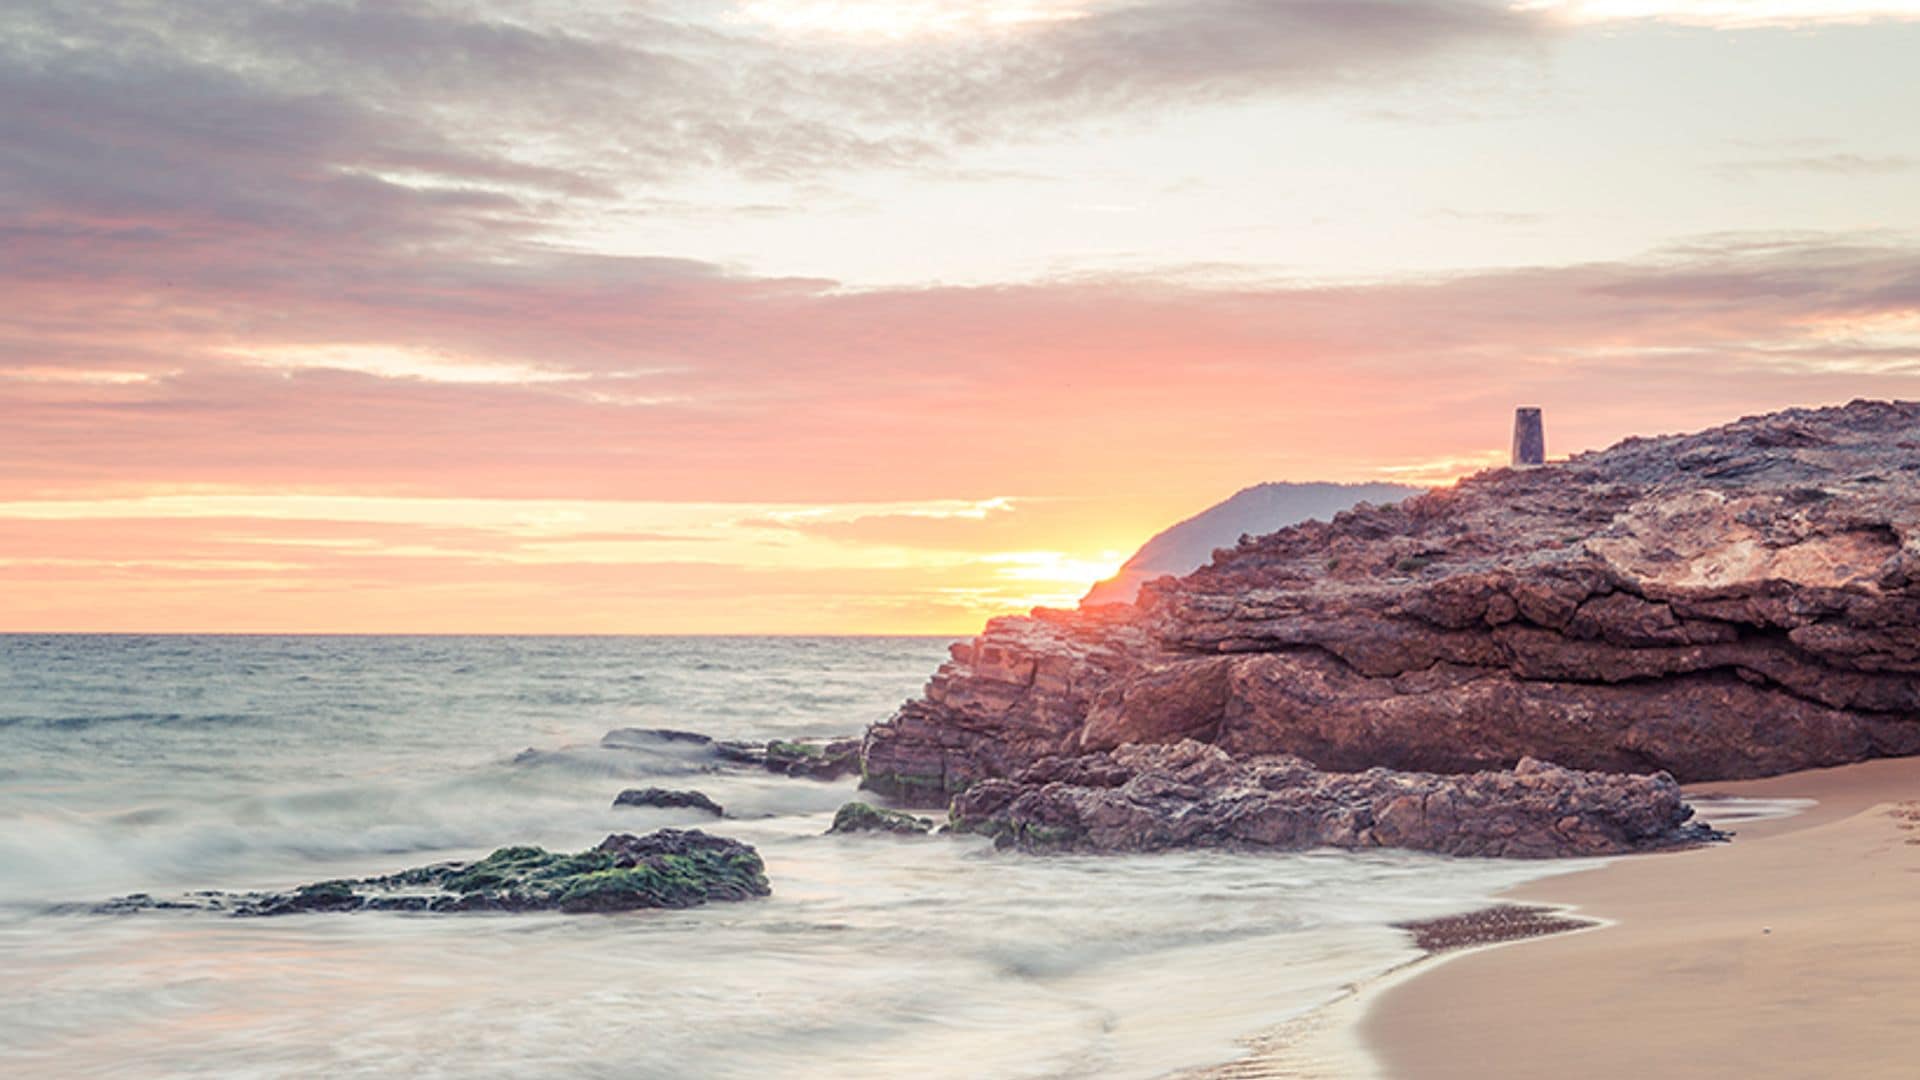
[(1739, 602), (1188, 794), (671, 868)]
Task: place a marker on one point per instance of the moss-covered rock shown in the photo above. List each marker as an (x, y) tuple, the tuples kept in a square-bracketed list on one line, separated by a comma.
[(671, 868), (862, 817), (668, 799), (813, 759), (323, 896)]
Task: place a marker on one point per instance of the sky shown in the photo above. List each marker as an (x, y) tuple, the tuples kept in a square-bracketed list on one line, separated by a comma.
[(802, 316)]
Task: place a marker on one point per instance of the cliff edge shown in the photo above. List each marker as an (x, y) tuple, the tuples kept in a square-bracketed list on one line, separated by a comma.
[(1738, 602)]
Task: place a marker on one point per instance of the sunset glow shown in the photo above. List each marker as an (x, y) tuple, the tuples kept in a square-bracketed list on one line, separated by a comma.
[(861, 317)]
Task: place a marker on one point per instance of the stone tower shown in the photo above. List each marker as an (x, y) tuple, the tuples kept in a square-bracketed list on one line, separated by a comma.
[(1529, 438)]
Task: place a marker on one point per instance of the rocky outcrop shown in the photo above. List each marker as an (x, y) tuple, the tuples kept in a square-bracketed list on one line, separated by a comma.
[(1739, 602), (864, 817), (670, 868), (1188, 794), (811, 759), (668, 799), (630, 738)]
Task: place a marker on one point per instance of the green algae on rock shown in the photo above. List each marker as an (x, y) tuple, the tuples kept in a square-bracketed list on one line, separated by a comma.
[(671, 868), (668, 799), (812, 759), (862, 817)]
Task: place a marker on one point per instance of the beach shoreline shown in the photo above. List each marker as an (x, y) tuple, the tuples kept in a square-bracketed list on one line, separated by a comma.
[(1326, 1042), (1789, 952)]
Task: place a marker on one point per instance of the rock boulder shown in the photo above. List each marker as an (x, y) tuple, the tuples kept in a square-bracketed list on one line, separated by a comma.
[(671, 868)]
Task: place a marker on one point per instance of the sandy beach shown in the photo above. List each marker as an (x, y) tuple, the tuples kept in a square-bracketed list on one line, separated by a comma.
[(1793, 951)]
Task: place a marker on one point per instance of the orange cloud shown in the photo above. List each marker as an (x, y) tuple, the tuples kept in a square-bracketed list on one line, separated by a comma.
[(811, 458)]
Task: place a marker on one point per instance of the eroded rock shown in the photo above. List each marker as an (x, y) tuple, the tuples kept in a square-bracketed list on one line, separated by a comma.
[(626, 738), (1740, 602), (864, 817), (668, 799), (671, 868), (1188, 794), (812, 759)]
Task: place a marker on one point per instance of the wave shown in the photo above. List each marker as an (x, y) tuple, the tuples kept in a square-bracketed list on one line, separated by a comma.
[(632, 762), (84, 721), (175, 836), (875, 957)]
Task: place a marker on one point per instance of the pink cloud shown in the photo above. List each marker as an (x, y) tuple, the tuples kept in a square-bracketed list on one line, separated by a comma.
[(683, 382)]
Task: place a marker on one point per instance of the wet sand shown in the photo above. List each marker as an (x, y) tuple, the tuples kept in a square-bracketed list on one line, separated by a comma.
[(1792, 952)]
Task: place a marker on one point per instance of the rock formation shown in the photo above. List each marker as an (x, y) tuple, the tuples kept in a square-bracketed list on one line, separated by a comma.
[(1735, 603), (812, 759), (864, 817), (670, 868), (668, 799), (622, 738), (1188, 794)]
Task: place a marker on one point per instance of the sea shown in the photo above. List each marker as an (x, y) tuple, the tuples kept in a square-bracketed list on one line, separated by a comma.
[(168, 764)]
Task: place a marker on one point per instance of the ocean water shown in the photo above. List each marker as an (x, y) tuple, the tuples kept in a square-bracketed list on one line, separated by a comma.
[(167, 764)]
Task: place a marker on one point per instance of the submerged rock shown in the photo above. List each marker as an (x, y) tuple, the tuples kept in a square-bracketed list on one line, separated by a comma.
[(1740, 602), (815, 759), (627, 737), (667, 799), (812, 759), (671, 868), (863, 817), (1183, 795)]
